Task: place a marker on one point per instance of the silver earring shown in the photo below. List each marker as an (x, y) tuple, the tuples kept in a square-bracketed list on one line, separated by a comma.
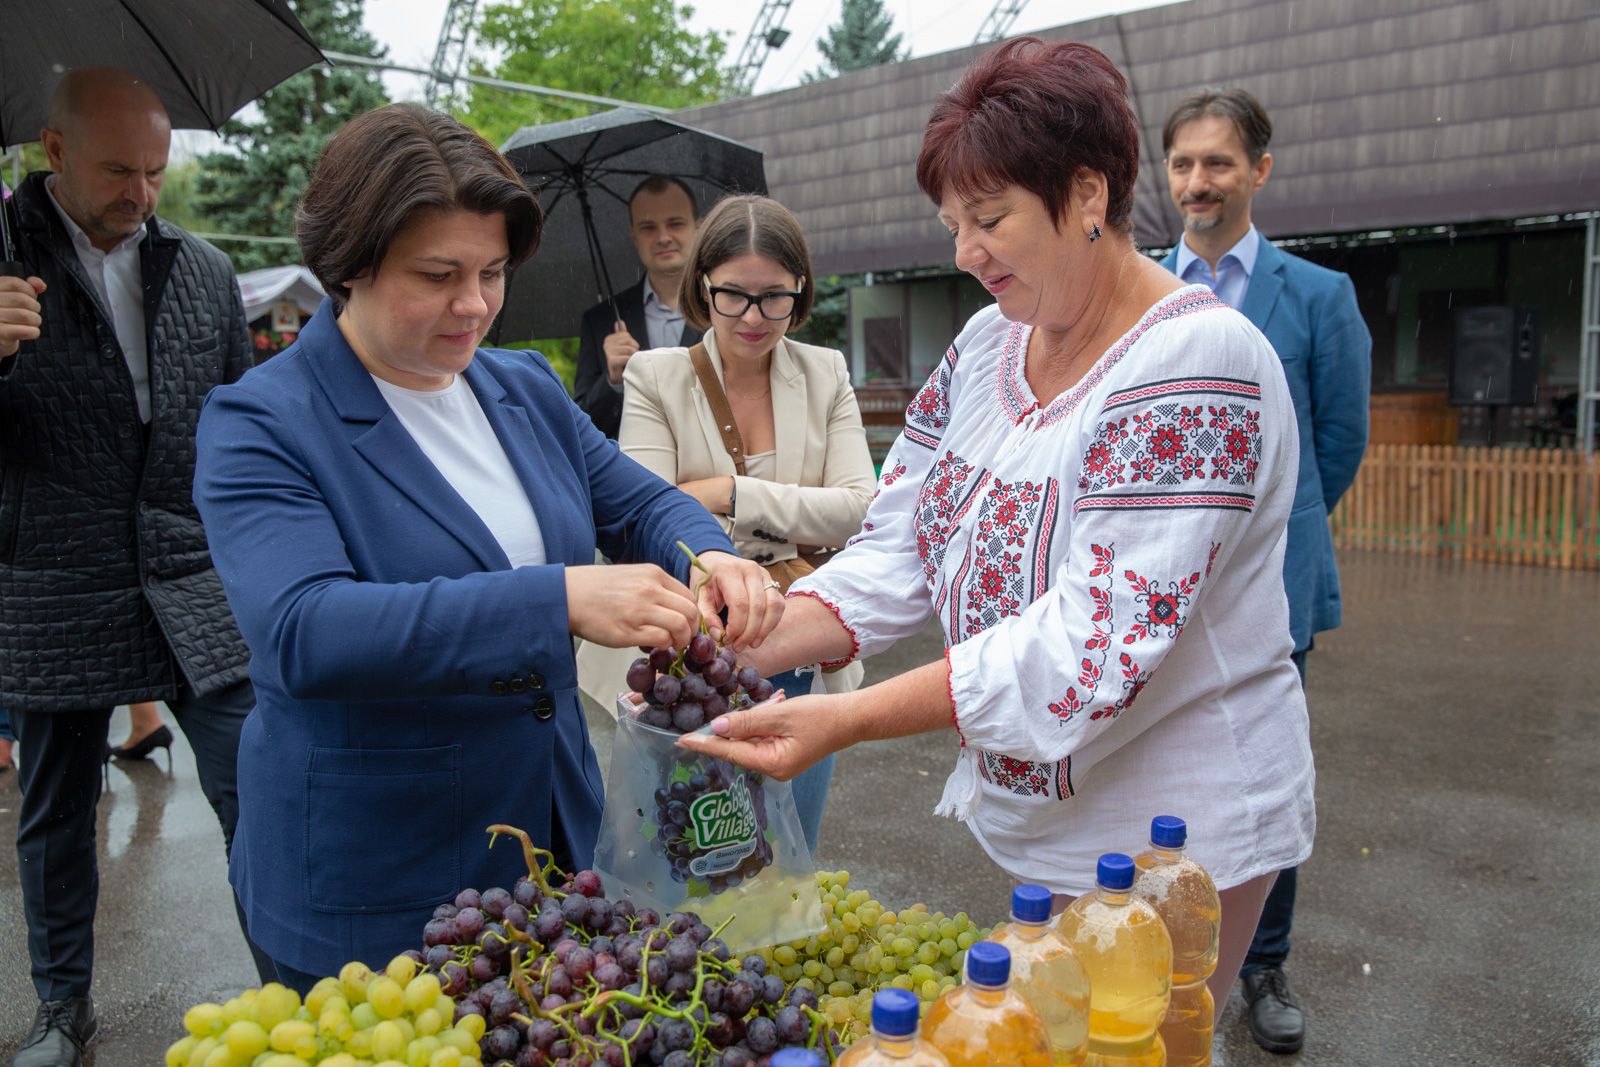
[(1094, 234)]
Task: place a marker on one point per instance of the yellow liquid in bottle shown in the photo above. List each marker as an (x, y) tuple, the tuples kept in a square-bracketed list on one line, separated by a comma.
[(1152, 1053), (981, 1026), (1187, 1030), (1046, 973), (876, 1051), (1123, 945), (1183, 894)]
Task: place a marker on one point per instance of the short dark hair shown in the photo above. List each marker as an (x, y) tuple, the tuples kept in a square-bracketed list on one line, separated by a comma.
[(1235, 105), (1033, 114), (380, 169), (746, 225), (660, 183)]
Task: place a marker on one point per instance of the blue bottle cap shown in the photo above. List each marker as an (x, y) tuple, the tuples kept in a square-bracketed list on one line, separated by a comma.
[(989, 964), (1115, 871), (1031, 904), (1168, 831), (799, 1057), (895, 1012)]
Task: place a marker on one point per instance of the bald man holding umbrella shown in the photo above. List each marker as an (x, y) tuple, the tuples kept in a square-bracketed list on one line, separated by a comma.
[(108, 346)]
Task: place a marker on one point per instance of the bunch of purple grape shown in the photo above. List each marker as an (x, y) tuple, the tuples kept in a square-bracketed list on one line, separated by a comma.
[(675, 838), (576, 980), (685, 690)]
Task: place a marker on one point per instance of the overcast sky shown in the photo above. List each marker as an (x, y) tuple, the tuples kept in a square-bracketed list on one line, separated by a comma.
[(410, 30)]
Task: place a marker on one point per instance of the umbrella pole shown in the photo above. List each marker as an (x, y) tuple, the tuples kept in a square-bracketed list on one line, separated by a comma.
[(9, 266), (597, 262)]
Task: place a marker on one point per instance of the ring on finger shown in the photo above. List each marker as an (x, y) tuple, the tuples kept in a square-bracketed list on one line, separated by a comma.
[(773, 584)]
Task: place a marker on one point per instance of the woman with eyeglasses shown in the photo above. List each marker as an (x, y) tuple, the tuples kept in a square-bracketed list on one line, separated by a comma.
[(762, 430)]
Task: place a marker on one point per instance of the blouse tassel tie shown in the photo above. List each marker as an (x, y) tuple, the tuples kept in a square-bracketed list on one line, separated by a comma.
[(962, 790)]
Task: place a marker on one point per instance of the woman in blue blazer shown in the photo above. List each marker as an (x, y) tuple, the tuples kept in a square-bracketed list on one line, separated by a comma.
[(405, 526)]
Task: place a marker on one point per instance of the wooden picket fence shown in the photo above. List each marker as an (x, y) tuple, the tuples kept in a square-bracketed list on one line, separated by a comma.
[(1509, 505)]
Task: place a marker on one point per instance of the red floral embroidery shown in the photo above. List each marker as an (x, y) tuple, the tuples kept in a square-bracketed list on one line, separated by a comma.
[(1133, 682), (929, 411), (1091, 667), (1017, 776), (993, 582), (1164, 609), (938, 505), (1171, 443)]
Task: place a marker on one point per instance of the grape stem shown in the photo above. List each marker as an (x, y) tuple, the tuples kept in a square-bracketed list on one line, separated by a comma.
[(531, 854)]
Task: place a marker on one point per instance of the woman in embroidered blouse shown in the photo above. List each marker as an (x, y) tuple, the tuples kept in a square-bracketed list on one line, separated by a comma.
[(807, 474), (1090, 494)]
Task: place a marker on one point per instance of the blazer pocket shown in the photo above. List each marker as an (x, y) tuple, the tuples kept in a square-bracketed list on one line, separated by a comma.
[(369, 813)]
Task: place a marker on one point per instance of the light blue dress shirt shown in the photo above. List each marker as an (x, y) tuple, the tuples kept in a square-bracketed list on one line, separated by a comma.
[(664, 324), (1232, 279)]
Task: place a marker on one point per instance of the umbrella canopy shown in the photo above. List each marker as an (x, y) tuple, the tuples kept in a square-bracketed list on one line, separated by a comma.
[(583, 172), (205, 59)]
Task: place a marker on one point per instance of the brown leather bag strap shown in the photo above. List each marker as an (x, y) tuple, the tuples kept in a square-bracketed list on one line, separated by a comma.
[(720, 409)]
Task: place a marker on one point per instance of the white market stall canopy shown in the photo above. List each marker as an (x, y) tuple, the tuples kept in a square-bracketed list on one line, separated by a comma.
[(262, 289)]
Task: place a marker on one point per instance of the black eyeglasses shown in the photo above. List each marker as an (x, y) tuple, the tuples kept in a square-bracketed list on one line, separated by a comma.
[(775, 307)]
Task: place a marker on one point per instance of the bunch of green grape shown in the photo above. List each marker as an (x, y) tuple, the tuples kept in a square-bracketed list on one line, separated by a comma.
[(868, 947), (399, 1018)]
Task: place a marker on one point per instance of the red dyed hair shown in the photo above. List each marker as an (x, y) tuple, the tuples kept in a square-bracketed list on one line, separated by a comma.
[(1033, 114)]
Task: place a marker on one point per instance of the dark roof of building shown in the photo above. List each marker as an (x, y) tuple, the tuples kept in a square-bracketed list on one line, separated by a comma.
[(1386, 114)]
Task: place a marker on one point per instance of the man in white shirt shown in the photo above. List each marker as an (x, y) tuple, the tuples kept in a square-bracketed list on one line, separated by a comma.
[(1215, 144), (662, 221), (107, 592)]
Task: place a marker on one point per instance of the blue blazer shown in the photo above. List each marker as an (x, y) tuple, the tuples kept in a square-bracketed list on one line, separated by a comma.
[(411, 687), (1309, 314)]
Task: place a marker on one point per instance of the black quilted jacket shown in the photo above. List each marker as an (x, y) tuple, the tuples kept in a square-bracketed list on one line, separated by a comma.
[(107, 593)]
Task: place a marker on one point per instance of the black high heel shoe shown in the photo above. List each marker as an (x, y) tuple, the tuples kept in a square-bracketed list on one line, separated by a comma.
[(160, 737)]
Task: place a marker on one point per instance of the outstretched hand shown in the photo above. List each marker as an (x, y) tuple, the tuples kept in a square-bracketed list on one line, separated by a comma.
[(779, 739)]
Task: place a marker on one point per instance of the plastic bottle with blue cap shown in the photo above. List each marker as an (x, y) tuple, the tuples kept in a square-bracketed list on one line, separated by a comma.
[(894, 1041), (983, 1021), (1185, 897), (1046, 972), (1124, 945)]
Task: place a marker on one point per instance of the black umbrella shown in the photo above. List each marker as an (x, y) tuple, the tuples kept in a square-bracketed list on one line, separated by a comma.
[(583, 172), (205, 59)]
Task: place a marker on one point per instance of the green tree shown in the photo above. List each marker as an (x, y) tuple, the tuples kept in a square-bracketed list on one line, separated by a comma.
[(254, 187), (860, 39), (634, 50)]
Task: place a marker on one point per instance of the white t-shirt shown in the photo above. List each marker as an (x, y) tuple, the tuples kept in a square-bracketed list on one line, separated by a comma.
[(449, 426)]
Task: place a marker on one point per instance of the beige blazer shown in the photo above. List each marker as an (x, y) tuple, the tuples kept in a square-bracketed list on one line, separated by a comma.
[(824, 469)]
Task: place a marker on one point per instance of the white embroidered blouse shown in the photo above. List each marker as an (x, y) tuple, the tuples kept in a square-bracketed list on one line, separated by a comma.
[(1123, 543)]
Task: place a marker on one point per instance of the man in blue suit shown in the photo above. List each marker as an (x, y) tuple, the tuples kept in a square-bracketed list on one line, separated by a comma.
[(1215, 144)]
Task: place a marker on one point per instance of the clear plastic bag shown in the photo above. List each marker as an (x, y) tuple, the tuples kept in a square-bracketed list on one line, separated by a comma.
[(686, 832)]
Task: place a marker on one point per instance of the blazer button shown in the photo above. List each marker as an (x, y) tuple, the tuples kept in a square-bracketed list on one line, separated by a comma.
[(499, 688), (535, 680), (518, 684), (544, 709)]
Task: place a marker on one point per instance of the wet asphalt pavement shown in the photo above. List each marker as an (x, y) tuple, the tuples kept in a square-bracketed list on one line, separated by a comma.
[(1448, 916)]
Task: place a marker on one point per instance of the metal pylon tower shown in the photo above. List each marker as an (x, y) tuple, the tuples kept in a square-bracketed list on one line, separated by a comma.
[(451, 53), (766, 35), (1001, 17)]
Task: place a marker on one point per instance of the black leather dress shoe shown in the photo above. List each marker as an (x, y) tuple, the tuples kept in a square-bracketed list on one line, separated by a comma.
[(1276, 1021), (61, 1031)]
